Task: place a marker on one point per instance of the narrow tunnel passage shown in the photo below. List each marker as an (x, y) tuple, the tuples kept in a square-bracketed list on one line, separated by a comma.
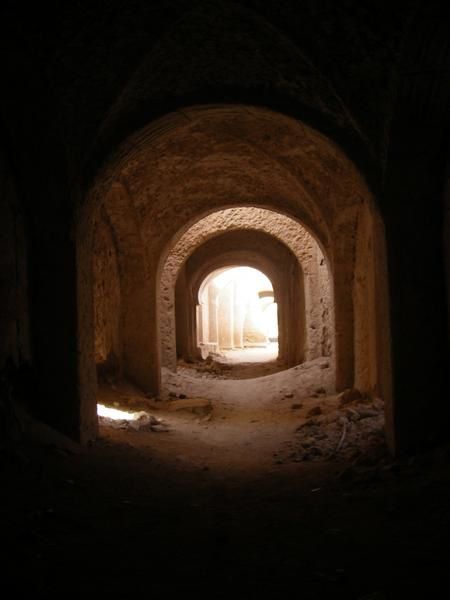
[(156, 313)]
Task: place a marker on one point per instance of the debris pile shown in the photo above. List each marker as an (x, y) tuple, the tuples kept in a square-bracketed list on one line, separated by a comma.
[(141, 421), (212, 368), (352, 431), (209, 368)]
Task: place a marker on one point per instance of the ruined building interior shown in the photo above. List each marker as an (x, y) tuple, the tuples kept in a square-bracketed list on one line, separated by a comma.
[(224, 297)]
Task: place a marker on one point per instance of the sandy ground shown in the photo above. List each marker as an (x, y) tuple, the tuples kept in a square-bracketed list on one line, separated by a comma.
[(246, 363), (248, 424), (245, 495), (249, 355)]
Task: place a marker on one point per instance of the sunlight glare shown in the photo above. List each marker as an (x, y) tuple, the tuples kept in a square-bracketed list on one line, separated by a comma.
[(115, 414)]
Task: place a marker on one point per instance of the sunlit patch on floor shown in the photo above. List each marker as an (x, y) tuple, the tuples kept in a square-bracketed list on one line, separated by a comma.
[(115, 414), (131, 421)]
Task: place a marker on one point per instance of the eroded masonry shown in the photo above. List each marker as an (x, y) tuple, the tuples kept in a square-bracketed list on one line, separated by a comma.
[(276, 196)]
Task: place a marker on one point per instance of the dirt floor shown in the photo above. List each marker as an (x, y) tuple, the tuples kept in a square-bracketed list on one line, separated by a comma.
[(245, 363), (245, 488)]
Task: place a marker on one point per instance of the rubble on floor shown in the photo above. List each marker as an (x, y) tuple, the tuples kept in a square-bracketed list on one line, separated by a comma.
[(211, 368), (140, 422), (351, 431)]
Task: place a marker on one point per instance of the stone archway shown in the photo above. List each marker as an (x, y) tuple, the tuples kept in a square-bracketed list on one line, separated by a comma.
[(203, 159), (262, 252), (316, 339)]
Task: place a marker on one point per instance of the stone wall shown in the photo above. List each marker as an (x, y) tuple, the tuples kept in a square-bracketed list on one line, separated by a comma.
[(107, 301)]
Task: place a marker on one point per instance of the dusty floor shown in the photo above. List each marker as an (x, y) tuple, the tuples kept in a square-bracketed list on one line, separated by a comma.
[(256, 354), (244, 426), (274, 487), (244, 363)]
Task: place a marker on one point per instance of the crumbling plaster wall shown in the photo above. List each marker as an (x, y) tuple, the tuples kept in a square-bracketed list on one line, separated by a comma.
[(247, 156), (107, 300), (124, 321)]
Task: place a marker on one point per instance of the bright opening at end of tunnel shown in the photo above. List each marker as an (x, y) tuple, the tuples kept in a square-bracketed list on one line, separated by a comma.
[(237, 312)]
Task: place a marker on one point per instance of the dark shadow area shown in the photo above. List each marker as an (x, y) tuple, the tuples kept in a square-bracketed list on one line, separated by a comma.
[(129, 522)]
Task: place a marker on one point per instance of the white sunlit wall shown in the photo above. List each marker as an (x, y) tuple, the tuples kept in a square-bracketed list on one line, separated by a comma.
[(236, 310)]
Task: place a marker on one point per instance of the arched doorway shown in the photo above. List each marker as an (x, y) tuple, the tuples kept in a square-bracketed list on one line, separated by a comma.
[(194, 258)]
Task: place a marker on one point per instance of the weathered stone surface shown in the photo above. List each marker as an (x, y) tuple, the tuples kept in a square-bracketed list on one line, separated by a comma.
[(190, 404), (349, 395), (107, 301)]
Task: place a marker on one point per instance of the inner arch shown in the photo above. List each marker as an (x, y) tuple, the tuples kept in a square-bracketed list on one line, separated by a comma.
[(301, 272)]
